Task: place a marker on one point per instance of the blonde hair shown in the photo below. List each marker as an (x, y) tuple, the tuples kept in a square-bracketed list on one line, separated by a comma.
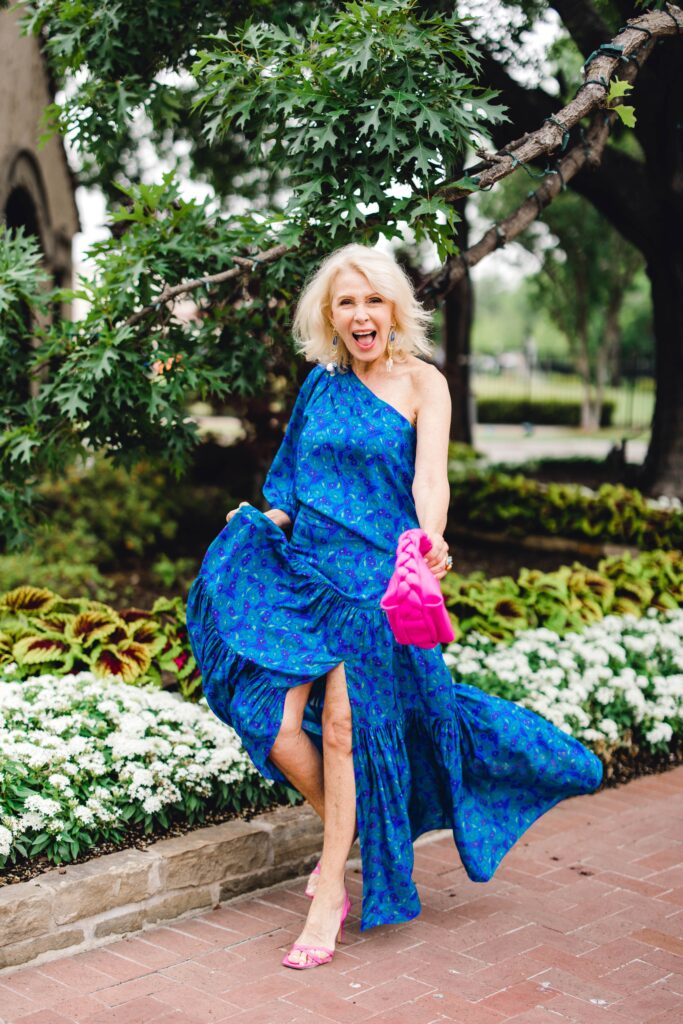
[(312, 328)]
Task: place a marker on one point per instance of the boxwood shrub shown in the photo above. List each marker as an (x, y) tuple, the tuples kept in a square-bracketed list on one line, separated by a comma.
[(542, 411)]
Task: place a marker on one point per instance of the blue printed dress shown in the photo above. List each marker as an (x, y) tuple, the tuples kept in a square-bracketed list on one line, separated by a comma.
[(266, 613)]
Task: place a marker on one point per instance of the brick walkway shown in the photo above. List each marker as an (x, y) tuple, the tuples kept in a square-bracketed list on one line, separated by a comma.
[(583, 922)]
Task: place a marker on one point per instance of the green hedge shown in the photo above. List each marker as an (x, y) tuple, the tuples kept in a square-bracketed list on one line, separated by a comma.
[(559, 412), (519, 506)]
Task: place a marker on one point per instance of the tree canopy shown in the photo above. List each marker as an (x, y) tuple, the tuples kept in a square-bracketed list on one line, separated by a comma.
[(318, 124)]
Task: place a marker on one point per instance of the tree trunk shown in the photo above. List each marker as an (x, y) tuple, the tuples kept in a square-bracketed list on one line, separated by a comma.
[(662, 134), (662, 471), (458, 310), (612, 339), (584, 368)]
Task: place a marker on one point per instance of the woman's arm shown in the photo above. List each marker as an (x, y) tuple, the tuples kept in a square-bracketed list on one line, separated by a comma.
[(279, 485), (279, 517), (431, 490)]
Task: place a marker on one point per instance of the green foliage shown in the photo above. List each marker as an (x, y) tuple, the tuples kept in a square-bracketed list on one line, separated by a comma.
[(379, 97), (23, 295), (458, 451), (334, 114), (537, 410), (106, 384), (587, 270), (70, 576), (118, 51), (108, 511), (568, 599), (174, 573), (617, 90), (519, 506), (39, 627)]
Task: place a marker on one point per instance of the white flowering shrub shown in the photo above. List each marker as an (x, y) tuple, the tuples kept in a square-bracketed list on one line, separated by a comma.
[(619, 678), (83, 759)]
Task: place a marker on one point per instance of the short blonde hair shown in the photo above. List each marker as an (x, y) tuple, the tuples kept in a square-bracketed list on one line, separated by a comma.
[(312, 329)]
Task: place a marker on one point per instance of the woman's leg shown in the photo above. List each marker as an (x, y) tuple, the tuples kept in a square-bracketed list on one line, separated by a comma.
[(297, 756), (295, 753), (323, 918)]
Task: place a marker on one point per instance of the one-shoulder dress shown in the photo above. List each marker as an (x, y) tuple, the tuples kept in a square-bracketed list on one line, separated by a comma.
[(266, 613)]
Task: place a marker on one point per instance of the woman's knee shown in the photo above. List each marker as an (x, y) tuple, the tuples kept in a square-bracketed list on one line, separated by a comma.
[(338, 732), (336, 716), (292, 715)]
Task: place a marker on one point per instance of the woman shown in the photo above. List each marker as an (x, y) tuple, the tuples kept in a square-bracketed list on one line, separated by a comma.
[(296, 653)]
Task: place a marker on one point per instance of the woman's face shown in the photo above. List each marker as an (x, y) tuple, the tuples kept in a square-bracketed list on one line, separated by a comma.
[(362, 318)]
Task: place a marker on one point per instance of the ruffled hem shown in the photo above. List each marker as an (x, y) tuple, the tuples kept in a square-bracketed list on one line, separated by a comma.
[(245, 695), (308, 628), (487, 771)]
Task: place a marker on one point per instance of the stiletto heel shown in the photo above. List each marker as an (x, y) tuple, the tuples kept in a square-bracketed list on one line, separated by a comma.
[(317, 961), (315, 871), (347, 907)]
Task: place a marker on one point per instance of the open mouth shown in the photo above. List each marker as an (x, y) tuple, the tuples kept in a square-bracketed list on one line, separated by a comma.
[(364, 339)]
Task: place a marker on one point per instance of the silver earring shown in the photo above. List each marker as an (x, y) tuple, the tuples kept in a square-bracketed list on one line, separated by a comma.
[(331, 367), (390, 347)]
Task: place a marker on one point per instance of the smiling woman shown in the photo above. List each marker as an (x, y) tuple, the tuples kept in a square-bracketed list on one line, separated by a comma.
[(298, 656), (358, 289)]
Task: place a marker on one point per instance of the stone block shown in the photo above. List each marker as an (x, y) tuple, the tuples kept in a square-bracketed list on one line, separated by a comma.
[(83, 890), (23, 952), (173, 904), (211, 854), (261, 879), (296, 833), (24, 912)]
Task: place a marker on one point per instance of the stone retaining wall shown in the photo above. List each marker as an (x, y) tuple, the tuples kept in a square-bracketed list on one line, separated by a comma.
[(79, 906)]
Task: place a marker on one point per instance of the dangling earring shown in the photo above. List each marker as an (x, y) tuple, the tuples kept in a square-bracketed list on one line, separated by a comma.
[(390, 349), (331, 367)]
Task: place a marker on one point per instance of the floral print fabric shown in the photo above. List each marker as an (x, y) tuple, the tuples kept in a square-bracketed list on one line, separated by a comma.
[(266, 613)]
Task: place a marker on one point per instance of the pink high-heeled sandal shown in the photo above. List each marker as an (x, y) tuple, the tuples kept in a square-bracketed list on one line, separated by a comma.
[(315, 871), (311, 951)]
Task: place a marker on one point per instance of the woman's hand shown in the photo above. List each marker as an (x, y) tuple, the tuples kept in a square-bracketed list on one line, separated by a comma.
[(234, 511), (279, 517), (436, 556)]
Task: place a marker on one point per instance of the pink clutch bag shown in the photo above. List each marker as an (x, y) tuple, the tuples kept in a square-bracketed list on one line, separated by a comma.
[(413, 600)]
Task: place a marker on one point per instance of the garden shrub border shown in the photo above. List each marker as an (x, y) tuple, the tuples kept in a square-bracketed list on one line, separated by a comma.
[(486, 497), (565, 412)]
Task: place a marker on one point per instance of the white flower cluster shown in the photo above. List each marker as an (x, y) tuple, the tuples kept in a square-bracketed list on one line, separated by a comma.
[(87, 747), (619, 673), (668, 504)]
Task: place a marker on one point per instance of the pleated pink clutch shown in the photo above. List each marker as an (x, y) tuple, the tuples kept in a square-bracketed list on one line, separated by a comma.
[(413, 600)]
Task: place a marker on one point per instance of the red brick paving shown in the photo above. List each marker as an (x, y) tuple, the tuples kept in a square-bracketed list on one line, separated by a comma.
[(582, 923)]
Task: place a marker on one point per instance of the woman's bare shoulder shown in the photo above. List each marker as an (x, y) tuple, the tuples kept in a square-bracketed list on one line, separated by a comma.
[(429, 382)]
